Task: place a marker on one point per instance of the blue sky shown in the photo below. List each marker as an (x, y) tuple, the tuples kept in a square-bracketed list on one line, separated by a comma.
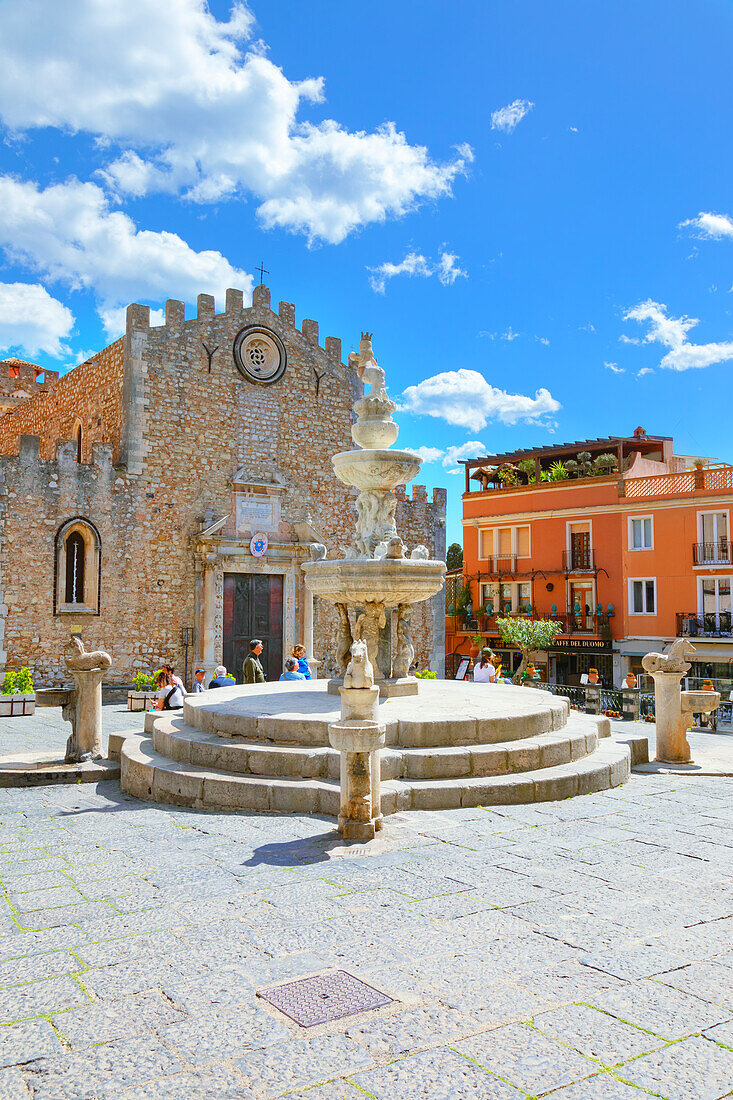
[(529, 204)]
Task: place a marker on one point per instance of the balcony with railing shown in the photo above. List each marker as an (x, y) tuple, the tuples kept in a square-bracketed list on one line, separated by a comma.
[(570, 622), (711, 553), (580, 559), (713, 624)]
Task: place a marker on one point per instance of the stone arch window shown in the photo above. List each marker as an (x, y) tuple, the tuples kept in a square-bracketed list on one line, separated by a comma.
[(78, 556), (78, 439)]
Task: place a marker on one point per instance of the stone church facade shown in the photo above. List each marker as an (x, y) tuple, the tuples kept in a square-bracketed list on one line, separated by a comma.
[(131, 489)]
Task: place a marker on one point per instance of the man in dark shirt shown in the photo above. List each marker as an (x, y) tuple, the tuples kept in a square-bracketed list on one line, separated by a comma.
[(253, 671)]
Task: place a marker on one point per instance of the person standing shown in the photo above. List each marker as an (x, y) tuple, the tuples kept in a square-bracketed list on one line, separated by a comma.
[(298, 652), (199, 676), (252, 669)]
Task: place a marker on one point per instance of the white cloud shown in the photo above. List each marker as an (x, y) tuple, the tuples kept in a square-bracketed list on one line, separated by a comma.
[(428, 454), (416, 264), (69, 233), (464, 398), (672, 333), (711, 226), (473, 449), (643, 371), (168, 89), (448, 269), (614, 368), (542, 340), (114, 319), (506, 118), (32, 321), (573, 129)]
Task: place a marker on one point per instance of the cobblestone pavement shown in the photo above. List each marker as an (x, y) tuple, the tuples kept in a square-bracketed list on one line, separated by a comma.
[(578, 950), (47, 731)]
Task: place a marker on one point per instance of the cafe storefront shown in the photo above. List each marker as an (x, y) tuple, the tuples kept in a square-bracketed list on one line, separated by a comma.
[(570, 658)]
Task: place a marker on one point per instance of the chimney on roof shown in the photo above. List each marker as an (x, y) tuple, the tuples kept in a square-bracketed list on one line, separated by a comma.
[(639, 433)]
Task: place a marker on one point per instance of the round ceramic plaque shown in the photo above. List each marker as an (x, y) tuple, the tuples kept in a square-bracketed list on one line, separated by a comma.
[(258, 545), (259, 355)]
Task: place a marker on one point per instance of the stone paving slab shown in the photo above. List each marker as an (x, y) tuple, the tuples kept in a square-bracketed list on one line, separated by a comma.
[(522, 945)]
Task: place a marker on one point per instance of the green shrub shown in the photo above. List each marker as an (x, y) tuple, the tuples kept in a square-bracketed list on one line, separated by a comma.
[(426, 674), (18, 681), (143, 682)]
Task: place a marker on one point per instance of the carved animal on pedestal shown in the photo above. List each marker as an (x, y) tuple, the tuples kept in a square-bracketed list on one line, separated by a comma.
[(81, 661), (343, 646), (360, 673), (420, 553), (674, 660), (318, 551)]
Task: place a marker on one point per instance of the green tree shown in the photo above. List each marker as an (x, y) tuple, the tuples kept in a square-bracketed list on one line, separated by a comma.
[(527, 635), (454, 557)]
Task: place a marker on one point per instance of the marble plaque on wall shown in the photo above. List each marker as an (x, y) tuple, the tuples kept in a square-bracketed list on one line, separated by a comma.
[(257, 513)]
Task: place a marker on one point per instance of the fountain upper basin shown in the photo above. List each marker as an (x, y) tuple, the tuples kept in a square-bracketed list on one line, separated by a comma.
[(361, 580), (376, 469)]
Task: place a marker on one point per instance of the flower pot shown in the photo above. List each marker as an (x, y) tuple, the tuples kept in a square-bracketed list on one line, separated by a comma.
[(630, 681), (12, 706), (141, 700), (474, 650)]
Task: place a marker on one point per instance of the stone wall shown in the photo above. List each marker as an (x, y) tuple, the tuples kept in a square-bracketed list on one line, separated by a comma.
[(36, 497), (179, 432), (90, 393)]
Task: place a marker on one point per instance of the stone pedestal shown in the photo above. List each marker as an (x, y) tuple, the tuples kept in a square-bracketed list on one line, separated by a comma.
[(84, 711), (673, 714), (671, 724), (359, 740)]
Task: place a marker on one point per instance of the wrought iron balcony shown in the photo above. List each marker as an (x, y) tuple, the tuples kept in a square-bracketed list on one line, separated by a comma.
[(713, 624), (578, 560), (711, 553)]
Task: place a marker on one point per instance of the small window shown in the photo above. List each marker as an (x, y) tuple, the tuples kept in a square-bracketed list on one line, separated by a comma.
[(75, 552), (78, 441), (78, 554), (523, 542), (643, 596), (641, 533)]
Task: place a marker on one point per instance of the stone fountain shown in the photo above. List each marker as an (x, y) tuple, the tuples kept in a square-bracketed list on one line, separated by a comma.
[(376, 575), (384, 747)]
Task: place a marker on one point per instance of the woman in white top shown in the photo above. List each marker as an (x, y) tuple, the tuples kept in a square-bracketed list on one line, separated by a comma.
[(170, 692), (484, 672)]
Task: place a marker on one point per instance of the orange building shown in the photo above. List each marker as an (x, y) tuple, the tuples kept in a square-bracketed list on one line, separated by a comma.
[(629, 551)]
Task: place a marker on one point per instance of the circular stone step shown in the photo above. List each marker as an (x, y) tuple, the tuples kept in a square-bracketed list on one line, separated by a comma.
[(174, 739), (444, 713), (150, 776)]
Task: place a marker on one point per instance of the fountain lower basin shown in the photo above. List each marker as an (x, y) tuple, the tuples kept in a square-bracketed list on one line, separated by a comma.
[(360, 580)]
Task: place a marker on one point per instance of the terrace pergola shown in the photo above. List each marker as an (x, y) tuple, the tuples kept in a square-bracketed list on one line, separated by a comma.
[(623, 447)]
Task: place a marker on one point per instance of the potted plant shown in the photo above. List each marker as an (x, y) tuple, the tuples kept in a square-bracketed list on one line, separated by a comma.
[(528, 636), (592, 675), (476, 643), (145, 694), (630, 681), (18, 696)]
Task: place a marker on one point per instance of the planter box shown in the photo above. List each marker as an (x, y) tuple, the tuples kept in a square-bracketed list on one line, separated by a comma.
[(141, 700), (15, 705)]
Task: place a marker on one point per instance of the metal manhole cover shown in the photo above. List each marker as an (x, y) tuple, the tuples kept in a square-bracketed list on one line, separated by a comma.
[(324, 997)]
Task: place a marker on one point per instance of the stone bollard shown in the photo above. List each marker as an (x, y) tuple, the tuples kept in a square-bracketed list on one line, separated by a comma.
[(84, 708), (593, 700), (630, 704)]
